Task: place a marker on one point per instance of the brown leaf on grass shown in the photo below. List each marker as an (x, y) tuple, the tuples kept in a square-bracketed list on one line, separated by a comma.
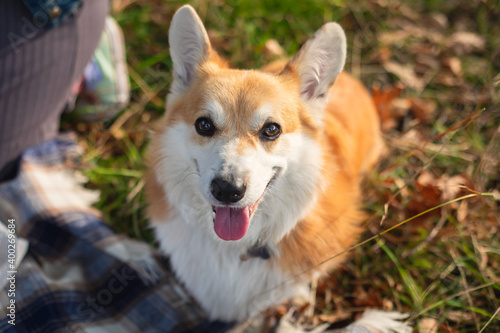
[(423, 109), (454, 64), (428, 325), (426, 62), (446, 79), (405, 30), (365, 298), (435, 191), (334, 317), (464, 42), (437, 21), (427, 190), (406, 73), (462, 211), (450, 187), (393, 37), (383, 54), (431, 191), (496, 195), (450, 73), (384, 102), (387, 304), (458, 316), (443, 328)]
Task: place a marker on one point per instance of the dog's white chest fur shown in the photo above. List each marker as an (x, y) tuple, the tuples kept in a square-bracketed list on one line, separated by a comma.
[(226, 287)]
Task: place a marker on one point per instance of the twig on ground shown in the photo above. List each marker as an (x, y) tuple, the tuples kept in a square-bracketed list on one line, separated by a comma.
[(491, 319), (434, 232)]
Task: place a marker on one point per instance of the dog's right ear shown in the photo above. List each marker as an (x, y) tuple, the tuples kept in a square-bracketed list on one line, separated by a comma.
[(189, 47)]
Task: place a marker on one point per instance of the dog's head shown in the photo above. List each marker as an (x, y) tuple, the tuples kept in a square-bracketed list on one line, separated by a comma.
[(240, 143)]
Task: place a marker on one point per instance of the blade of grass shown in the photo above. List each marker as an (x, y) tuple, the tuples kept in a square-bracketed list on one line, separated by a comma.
[(117, 172), (415, 292), (447, 299)]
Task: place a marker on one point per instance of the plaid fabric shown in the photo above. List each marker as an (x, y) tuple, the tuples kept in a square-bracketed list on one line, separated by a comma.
[(78, 276)]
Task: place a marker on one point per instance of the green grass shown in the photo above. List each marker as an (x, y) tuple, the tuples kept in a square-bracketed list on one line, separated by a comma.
[(454, 277)]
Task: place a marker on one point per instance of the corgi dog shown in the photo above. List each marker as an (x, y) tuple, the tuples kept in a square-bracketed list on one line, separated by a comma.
[(254, 176)]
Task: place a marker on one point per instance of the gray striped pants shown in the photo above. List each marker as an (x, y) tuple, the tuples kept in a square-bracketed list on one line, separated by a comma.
[(38, 67)]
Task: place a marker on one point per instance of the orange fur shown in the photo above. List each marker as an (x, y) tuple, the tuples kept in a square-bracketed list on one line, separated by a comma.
[(352, 143)]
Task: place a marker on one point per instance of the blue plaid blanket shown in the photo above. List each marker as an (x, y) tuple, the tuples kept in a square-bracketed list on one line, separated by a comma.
[(76, 275)]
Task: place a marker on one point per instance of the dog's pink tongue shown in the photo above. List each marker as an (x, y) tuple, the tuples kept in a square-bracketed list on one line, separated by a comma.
[(231, 223)]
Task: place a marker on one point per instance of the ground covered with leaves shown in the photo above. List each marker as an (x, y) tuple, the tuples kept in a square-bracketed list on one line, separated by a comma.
[(433, 69)]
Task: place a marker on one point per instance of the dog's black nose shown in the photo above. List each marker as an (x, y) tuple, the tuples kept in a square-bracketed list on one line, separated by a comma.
[(227, 192)]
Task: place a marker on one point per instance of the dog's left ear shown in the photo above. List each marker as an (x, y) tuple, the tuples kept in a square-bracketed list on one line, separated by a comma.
[(189, 47), (318, 63)]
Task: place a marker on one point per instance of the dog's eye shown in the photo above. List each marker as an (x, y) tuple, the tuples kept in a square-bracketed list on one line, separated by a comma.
[(204, 127), (271, 131)]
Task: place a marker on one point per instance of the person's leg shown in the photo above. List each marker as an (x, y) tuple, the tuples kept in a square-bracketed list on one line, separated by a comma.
[(37, 72)]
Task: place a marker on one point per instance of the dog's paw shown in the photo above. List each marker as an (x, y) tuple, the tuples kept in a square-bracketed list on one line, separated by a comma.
[(376, 321), (301, 296), (140, 258)]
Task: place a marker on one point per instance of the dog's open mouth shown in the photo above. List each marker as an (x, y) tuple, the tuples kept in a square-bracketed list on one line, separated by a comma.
[(231, 223)]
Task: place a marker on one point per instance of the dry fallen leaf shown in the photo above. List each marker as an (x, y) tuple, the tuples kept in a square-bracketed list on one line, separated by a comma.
[(406, 73), (273, 49), (393, 37), (426, 188), (450, 186), (335, 317), (438, 21), (459, 316), (428, 325), (384, 102), (423, 109), (443, 328), (462, 211), (384, 54), (463, 42), (388, 305), (454, 64)]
